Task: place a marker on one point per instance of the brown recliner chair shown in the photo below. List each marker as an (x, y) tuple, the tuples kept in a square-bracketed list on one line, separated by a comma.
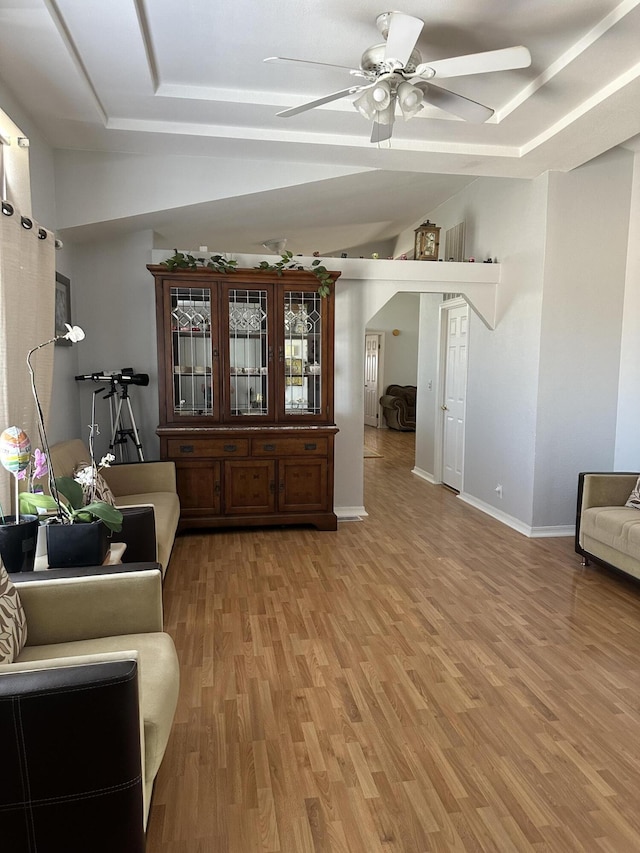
[(399, 407)]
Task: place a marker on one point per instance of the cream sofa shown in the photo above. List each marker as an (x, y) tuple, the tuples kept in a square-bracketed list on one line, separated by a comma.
[(135, 484), (606, 530), (74, 624)]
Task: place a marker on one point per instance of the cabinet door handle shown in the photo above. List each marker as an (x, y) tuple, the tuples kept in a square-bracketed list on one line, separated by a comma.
[(186, 448), (230, 448), (216, 488), (311, 446), (272, 487), (269, 447), (281, 486)]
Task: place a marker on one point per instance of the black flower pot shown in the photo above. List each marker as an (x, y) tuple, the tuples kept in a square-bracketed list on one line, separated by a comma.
[(70, 545), (18, 542)]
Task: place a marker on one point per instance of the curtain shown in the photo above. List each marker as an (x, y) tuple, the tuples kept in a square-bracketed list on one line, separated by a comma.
[(27, 300)]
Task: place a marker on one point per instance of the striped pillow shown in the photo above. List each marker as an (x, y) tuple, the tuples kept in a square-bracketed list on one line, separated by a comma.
[(13, 624), (634, 497)]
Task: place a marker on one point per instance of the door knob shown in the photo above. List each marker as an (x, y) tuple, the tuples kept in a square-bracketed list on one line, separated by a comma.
[(444, 408)]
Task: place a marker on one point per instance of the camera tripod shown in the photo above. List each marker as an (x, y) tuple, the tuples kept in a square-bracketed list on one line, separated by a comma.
[(119, 433)]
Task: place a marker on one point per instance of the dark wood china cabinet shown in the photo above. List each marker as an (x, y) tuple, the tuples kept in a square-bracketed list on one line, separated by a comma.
[(245, 379)]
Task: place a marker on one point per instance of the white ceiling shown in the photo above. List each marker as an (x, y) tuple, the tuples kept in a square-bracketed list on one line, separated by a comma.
[(186, 76)]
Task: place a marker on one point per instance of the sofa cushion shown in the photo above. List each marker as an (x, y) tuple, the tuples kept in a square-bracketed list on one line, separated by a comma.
[(158, 680), (66, 456), (615, 526), (13, 624), (634, 497)]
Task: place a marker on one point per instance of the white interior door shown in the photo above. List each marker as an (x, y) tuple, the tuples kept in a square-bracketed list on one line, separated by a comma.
[(372, 393), (455, 392)]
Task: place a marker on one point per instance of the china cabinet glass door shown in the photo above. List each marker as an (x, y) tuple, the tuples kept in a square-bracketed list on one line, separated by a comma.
[(250, 352), (194, 391), (302, 353)]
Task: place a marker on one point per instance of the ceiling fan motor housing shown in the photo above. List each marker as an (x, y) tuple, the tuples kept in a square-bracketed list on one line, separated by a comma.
[(373, 62)]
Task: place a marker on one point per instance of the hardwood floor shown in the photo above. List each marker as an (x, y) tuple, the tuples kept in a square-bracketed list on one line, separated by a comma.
[(423, 680)]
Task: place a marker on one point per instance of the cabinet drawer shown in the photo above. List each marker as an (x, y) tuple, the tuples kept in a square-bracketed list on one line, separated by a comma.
[(309, 446), (206, 448)]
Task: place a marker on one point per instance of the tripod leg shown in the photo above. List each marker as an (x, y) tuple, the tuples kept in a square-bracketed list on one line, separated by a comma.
[(134, 429), (114, 430)]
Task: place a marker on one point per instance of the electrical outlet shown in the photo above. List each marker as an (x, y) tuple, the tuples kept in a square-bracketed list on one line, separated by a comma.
[(498, 490)]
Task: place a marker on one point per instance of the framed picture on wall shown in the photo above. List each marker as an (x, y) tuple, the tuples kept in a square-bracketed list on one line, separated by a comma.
[(63, 308)]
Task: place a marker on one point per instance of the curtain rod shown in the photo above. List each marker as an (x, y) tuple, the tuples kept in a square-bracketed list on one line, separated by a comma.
[(8, 210)]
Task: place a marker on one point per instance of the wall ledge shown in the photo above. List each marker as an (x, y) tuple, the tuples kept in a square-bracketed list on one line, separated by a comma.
[(477, 282)]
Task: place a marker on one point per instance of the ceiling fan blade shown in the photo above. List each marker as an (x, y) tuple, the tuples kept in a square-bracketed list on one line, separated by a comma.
[(456, 104), (381, 132), (404, 31), (354, 71), (293, 111), (476, 63)]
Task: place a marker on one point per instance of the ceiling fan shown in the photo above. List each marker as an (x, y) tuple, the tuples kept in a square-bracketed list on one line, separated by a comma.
[(396, 75)]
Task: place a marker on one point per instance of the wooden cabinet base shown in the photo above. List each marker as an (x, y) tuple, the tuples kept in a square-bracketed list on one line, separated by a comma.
[(319, 520), (252, 476)]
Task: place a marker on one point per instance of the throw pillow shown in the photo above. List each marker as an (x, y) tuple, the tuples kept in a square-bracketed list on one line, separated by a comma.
[(13, 624), (83, 474), (634, 497)]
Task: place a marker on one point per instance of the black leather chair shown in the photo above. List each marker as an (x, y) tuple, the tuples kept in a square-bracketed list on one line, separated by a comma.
[(71, 777), (399, 407)]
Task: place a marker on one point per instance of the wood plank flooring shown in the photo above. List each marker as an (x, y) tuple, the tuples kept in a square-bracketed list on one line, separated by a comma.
[(423, 680)]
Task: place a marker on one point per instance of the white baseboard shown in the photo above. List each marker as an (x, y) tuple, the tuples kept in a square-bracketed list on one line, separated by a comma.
[(425, 475), (551, 531), (350, 513), (515, 523)]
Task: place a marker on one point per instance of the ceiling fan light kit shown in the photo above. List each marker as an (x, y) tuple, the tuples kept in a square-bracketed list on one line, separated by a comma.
[(396, 75)]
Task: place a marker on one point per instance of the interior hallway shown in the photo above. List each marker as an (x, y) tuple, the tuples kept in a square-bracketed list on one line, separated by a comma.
[(424, 679)]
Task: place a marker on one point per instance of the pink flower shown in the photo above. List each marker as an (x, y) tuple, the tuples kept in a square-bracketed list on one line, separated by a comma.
[(41, 467)]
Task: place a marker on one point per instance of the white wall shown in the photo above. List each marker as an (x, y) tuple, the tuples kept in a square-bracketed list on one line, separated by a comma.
[(115, 305), (401, 351), (133, 184), (543, 387), (582, 309), (507, 219), (627, 452)]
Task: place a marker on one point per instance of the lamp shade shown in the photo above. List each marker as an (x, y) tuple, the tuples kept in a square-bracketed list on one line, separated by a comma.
[(374, 100), (410, 99)]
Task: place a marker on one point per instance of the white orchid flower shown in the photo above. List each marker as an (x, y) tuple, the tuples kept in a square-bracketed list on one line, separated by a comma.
[(74, 334)]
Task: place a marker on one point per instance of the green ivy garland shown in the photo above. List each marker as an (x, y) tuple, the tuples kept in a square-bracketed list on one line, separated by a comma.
[(182, 261)]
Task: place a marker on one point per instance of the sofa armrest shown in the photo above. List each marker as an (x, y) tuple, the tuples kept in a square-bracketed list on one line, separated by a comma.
[(72, 758), (388, 401), (60, 610), (81, 571), (139, 533), (605, 488), (601, 488), (137, 478)]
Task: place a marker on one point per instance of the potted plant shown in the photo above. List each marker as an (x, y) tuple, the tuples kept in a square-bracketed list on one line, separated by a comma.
[(92, 521), (78, 525)]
